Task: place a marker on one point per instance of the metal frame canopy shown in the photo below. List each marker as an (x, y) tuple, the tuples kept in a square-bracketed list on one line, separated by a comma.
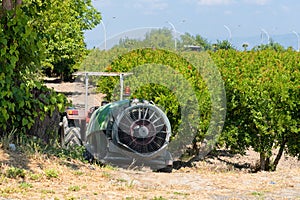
[(87, 74)]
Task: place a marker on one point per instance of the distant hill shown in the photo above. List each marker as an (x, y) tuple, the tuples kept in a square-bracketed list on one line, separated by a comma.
[(286, 40)]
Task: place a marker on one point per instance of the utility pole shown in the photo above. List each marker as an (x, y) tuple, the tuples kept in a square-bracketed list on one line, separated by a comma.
[(298, 40), (229, 32), (175, 35), (104, 29), (266, 33)]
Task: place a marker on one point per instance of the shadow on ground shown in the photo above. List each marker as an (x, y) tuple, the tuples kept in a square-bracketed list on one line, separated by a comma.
[(14, 159), (219, 157)]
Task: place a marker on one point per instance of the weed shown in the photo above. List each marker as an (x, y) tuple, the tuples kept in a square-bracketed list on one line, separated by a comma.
[(159, 198), (8, 190), (109, 167), (181, 193), (73, 152), (129, 198), (51, 173), (7, 139), (74, 188), (47, 192), (127, 184), (106, 175), (34, 177), (31, 144), (3, 179), (78, 173), (84, 187), (121, 180), (130, 185), (259, 195), (15, 172), (71, 198), (25, 185)]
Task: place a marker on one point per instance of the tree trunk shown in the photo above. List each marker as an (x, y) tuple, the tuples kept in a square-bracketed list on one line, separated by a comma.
[(7, 4), (18, 2), (47, 129), (10, 4), (262, 159), (264, 162), (280, 152), (268, 164)]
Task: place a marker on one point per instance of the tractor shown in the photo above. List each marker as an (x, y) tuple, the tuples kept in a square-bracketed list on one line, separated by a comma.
[(125, 133)]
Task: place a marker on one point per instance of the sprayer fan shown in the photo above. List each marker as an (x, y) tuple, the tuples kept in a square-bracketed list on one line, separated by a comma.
[(142, 129)]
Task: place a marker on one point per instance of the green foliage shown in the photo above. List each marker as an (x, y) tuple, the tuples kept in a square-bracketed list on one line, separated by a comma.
[(262, 89), (15, 172), (7, 139), (181, 194), (159, 198), (74, 152), (60, 27), (98, 60), (31, 145), (164, 39), (23, 98), (168, 80), (225, 45), (156, 38), (35, 177), (74, 188), (51, 173), (272, 45), (25, 185), (190, 40)]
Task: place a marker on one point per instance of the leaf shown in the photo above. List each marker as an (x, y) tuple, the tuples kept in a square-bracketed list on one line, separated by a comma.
[(53, 100), (24, 122)]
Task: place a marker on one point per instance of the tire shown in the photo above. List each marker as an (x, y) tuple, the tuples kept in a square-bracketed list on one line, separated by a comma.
[(72, 137), (167, 169), (88, 156)]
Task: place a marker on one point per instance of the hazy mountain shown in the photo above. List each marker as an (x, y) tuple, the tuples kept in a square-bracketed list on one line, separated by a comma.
[(286, 40)]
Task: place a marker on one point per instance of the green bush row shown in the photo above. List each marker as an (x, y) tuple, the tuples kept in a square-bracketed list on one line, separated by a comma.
[(262, 95)]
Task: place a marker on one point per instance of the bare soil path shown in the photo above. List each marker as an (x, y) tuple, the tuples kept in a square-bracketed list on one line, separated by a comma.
[(214, 178), (75, 91)]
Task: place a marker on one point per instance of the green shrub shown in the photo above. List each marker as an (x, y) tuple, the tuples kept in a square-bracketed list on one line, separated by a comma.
[(15, 172), (51, 173)]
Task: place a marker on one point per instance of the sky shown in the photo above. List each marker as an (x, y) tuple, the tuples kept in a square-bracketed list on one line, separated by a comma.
[(239, 21)]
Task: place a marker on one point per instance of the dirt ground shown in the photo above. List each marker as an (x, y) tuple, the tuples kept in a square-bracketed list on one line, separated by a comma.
[(75, 91), (213, 178)]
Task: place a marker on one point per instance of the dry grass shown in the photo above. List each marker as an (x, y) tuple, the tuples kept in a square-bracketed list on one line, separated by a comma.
[(48, 177)]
